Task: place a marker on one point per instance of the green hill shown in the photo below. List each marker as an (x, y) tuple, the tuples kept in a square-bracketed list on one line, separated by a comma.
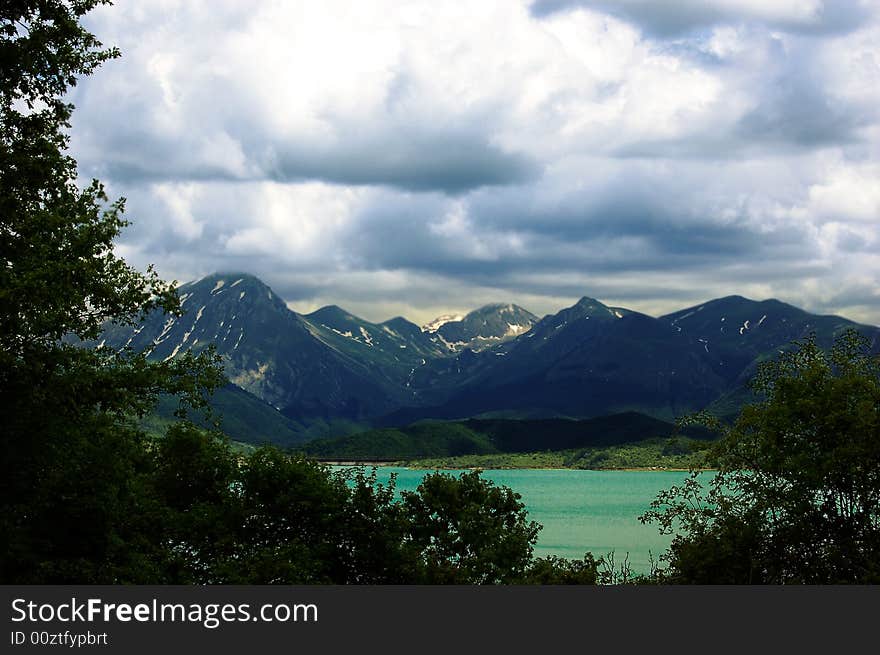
[(487, 436), (247, 419)]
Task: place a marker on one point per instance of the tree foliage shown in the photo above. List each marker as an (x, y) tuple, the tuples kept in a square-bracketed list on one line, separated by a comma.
[(69, 448), (796, 498), (272, 517), (467, 529)]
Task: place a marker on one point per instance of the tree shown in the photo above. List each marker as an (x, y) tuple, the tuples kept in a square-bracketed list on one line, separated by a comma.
[(470, 531), (69, 448), (796, 497)]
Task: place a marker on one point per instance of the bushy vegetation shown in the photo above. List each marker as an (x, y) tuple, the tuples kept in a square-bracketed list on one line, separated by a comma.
[(671, 453), (198, 512), (269, 517), (797, 495)]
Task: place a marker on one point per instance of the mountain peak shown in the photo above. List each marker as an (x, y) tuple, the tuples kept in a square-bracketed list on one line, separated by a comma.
[(400, 322), (495, 307), (500, 308), (734, 305), (218, 283), (734, 299), (440, 321), (482, 328), (335, 317), (590, 307), (590, 304), (230, 278)]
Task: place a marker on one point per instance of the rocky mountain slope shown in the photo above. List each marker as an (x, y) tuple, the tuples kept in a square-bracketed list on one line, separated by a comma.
[(482, 328), (333, 368)]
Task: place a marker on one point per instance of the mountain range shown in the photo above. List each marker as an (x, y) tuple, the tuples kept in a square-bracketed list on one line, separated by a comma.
[(330, 372)]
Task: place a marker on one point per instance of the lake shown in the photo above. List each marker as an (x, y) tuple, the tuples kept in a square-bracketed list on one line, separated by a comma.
[(581, 511)]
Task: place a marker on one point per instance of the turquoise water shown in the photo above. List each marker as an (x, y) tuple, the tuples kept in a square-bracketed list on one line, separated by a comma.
[(581, 511)]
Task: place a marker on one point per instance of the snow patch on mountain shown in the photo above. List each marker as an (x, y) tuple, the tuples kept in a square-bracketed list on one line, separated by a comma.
[(173, 352), (136, 332), (165, 330), (438, 322), (346, 334)]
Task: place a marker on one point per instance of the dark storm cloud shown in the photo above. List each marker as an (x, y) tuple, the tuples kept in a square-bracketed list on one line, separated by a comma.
[(632, 231), (849, 240), (678, 291), (854, 299), (800, 116), (669, 211), (676, 19), (404, 157), (452, 163)]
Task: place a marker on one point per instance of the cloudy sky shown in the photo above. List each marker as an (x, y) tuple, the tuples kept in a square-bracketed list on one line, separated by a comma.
[(417, 158)]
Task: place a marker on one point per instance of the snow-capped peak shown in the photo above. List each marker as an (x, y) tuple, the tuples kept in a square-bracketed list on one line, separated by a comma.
[(435, 325)]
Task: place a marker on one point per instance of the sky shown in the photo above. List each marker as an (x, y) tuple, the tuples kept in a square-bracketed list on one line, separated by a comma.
[(420, 158)]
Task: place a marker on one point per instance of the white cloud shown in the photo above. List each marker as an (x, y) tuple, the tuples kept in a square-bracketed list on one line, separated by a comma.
[(849, 193), (179, 199)]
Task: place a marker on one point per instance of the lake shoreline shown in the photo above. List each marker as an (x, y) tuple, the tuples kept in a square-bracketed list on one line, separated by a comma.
[(658, 469), (415, 466)]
